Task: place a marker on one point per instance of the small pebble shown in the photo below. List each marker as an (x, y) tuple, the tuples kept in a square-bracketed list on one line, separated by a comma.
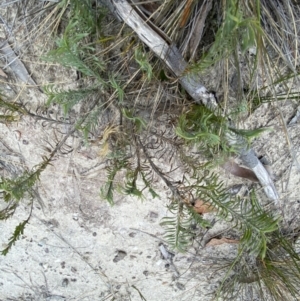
[(65, 282)]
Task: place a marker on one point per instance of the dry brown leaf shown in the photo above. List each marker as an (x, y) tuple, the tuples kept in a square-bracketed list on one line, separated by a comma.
[(186, 13), (239, 171), (2, 73), (220, 241), (202, 207)]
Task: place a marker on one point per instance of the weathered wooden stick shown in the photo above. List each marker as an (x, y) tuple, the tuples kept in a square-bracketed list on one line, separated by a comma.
[(161, 45), (15, 63)]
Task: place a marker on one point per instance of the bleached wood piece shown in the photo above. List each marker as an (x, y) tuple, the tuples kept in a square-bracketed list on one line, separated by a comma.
[(15, 63), (165, 51)]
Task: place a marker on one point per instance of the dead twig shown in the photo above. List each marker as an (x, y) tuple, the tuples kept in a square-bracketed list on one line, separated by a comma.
[(13, 61)]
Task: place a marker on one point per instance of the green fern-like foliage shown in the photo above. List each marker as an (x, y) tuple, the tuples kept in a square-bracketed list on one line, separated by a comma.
[(67, 98), (282, 263), (248, 135), (10, 112), (276, 277), (115, 84), (256, 226), (19, 230), (91, 101), (91, 119), (178, 229), (115, 165), (138, 122), (146, 178), (246, 215), (73, 49), (203, 128), (178, 226), (131, 186), (143, 61), (68, 55), (136, 178), (132, 177), (236, 30), (15, 190)]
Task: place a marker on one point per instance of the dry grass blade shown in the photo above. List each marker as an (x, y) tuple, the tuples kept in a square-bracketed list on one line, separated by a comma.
[(194, 38), (281, 29)]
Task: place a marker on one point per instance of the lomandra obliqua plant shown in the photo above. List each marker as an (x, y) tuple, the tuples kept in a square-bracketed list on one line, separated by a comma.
[(118, 76)]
